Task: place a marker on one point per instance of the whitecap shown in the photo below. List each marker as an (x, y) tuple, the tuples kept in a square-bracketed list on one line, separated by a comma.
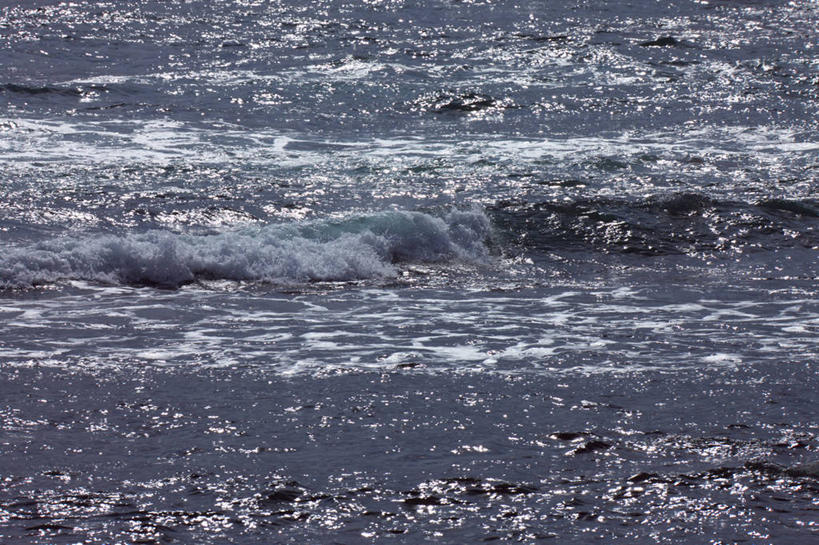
[(353, 248)]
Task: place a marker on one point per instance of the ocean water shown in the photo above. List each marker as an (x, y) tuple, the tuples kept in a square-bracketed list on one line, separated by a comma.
[(409, 272)]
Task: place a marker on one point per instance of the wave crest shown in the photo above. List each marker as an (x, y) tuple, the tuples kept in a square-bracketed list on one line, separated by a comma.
[(675, 224), (356, 248)]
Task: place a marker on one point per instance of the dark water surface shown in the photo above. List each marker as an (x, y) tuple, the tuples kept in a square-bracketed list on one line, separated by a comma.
[(446, 272), (166, 456)]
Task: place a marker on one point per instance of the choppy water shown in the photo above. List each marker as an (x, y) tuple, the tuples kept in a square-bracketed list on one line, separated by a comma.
[(449, 272)]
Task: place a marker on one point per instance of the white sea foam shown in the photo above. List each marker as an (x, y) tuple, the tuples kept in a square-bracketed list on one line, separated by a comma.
[(354, 248), (161, 142), (544, 330)]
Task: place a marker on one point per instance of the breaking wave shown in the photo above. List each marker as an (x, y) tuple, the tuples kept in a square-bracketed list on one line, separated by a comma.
[(354, 248)]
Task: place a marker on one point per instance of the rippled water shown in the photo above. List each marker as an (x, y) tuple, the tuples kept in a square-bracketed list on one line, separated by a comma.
[(443, 272)]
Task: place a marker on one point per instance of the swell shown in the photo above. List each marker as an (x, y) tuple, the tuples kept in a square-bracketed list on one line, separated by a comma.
[(41, 90), (353, 248), (682, 223)]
